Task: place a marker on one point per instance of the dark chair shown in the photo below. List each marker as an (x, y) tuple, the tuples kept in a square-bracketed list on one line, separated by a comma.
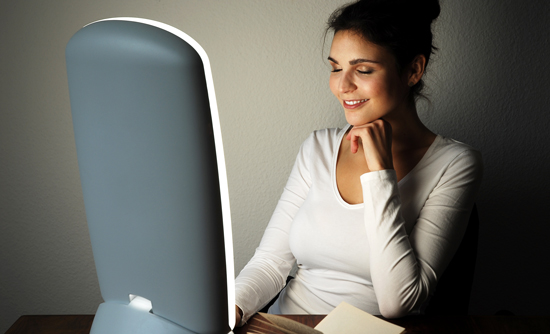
[(272, 301), (452, 295)]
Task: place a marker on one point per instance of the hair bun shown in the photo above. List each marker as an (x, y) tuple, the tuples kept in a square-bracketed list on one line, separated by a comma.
[(427, 10)]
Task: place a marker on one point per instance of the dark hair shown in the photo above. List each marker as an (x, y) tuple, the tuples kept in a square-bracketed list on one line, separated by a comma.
[(401, 26)]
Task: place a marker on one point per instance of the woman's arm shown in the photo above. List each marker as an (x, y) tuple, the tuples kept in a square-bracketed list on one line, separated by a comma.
[(405, 268), (266, 273)]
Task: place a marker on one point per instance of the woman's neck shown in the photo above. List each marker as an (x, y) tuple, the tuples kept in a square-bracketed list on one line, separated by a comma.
[(408, 131)]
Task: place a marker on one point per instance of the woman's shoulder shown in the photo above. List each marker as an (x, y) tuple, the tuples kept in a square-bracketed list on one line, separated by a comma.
[(452, 147), (320, 146), (325, 137), (455, 154)]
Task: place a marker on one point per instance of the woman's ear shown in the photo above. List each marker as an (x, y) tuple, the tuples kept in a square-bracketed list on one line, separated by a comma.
[(416, 70)]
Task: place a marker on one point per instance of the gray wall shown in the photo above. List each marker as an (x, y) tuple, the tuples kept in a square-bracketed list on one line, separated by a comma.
[(488, 87)]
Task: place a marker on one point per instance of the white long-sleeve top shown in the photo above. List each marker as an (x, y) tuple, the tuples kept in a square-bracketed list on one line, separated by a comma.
[(383, 256)]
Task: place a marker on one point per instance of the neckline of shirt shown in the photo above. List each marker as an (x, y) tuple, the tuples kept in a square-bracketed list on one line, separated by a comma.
[(336, 150)]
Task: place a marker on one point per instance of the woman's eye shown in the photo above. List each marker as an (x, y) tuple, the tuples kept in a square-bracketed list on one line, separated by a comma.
[(336, 70), (365, 72)]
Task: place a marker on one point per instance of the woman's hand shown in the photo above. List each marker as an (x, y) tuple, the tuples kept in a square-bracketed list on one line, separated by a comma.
[(376, 140), (238, 315)]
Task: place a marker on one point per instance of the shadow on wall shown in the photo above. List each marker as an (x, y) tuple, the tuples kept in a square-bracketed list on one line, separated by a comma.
[(493, 78)]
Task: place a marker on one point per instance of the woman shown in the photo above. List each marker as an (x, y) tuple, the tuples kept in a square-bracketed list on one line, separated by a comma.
[(372, 213)]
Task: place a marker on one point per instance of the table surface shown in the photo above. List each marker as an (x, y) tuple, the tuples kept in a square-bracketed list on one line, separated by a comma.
[(81, 324)]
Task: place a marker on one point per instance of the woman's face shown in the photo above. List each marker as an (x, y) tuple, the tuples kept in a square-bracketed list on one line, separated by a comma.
[(365, 79)]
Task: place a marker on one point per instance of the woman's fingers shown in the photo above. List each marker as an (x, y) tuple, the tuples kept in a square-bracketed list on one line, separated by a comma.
[(354, 141), (375, 138)]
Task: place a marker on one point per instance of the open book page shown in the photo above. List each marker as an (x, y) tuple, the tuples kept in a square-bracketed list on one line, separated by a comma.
[(348, 319), (273, 324), (344, 319)]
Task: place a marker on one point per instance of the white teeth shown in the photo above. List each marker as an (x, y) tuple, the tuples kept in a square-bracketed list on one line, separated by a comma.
[(355, 102)]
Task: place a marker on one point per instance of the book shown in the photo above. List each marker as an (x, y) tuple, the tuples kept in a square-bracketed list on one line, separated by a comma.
[(345, 318)]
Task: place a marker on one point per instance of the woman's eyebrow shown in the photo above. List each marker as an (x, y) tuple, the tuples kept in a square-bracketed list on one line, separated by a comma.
[(332, 60), (362, 60), (355, 61)]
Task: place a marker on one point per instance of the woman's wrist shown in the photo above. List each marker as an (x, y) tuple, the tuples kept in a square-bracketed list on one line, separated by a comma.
[(238, 315)]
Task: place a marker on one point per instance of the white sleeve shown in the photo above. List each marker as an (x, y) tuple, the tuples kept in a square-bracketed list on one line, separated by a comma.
[(266, 273), (405, 268)]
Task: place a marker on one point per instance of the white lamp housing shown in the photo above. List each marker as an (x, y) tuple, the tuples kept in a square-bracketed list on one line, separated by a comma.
[(153, 176)]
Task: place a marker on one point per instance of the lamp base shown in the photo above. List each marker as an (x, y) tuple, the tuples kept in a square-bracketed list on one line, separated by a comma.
[(123, 319)]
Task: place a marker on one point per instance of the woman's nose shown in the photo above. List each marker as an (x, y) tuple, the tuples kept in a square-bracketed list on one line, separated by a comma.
[(346, 83)]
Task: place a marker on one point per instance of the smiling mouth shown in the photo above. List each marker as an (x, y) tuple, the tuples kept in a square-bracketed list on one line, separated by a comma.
[(354, 102)]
